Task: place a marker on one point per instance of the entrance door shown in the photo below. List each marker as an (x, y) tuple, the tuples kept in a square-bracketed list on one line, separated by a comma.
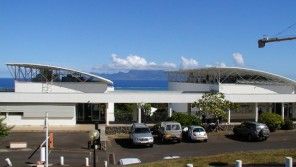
[(90, 113)]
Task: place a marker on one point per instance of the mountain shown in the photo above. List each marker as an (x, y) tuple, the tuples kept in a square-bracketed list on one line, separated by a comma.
[(137, 75)]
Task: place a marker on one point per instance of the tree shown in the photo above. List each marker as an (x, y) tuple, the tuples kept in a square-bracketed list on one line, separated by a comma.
[(215, 105), (4, 129)]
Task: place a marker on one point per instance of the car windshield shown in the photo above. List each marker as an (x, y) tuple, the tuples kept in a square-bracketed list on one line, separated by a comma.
[(198, 130), (173, 127), (142, 130)]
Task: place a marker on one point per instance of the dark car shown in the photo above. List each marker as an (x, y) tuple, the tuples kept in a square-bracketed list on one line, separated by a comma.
[(252, 131)]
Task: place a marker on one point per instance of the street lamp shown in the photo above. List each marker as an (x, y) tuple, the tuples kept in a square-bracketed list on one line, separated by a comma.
[(94, 136)]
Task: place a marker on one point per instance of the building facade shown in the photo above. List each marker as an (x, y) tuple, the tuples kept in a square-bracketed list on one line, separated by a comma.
[(73, 97)]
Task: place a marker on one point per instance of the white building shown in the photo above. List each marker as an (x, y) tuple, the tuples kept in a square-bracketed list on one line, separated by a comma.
[(71, 97), (34, 79), (256, 91)]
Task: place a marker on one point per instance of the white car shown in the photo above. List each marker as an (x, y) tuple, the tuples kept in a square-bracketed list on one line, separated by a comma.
[(196, 133)]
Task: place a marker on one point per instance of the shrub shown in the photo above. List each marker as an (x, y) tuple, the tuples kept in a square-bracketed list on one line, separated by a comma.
[(122, 116), (272, 120), (288, 124), (4, 129), (185, 119)]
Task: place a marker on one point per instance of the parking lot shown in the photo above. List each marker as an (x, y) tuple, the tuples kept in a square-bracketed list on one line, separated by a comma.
[(73, 146)]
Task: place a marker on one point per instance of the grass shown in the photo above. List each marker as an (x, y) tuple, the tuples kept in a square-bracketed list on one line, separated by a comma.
[(268, 157)]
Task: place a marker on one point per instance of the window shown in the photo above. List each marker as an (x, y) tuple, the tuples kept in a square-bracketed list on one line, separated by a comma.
[(198, 130), (142, 130), (16, 113)]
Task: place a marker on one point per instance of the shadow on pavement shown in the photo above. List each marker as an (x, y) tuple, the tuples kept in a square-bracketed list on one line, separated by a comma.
[(126, 143), (241, 139)]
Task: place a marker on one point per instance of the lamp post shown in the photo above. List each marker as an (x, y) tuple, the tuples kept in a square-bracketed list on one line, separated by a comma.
[(94, 135)]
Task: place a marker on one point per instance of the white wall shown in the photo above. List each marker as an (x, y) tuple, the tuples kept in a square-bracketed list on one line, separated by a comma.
[(33, 114), (181, 86), (255, 89), (61, 87)]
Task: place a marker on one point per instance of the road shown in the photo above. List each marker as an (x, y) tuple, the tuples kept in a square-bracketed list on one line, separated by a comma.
[(73, 146)]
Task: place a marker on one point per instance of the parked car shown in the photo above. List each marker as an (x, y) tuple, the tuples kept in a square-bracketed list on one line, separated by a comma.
[(140, 134), (252, 131), (169, 131), (195, 133)]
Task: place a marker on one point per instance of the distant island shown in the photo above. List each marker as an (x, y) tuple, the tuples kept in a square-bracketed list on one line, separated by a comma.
[(158, 75)]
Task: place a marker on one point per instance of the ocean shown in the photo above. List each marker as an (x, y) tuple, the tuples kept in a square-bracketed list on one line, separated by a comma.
[(8, 83)]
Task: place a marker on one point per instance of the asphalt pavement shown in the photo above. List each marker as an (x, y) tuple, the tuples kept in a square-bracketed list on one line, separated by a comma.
[(73, 146)]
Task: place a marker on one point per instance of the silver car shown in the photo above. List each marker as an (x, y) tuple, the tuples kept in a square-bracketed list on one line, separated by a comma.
[(140, 134), (196, 133)]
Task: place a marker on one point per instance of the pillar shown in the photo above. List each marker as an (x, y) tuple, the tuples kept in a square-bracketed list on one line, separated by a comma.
[(170, 110), (256, 112), (106, 114), (283, 111), (228, 117), (293, 110), (139, 113)]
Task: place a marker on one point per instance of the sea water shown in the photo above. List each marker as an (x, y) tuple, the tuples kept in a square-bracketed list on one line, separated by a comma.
[(8, 83)]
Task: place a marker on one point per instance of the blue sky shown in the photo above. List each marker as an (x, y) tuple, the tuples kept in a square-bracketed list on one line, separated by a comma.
[(109, 36)]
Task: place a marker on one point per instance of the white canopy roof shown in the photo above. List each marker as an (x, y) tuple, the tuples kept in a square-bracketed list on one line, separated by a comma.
[(41, 66), (227, 71)]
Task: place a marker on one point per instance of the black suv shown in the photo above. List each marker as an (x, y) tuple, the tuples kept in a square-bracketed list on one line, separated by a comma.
[(252, 131)]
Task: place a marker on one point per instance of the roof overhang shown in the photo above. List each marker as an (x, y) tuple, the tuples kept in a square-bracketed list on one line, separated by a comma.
[(42, 66)]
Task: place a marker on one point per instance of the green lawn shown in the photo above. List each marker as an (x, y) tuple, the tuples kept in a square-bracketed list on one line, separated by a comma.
[(252, 157)]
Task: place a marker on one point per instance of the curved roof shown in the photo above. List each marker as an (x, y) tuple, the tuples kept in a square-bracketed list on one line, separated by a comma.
[(240, 71), (41, 66)]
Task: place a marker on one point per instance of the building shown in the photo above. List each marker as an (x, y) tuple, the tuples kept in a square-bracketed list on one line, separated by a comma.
[(72, 97), (35, 79), (255, 91)]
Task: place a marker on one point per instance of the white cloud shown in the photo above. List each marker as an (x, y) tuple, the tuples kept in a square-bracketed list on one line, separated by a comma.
[(132, 62), (221, 64), (238, 59), (188, 63)]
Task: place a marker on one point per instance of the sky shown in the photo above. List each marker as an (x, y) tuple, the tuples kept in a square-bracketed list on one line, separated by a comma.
[(110, 36)]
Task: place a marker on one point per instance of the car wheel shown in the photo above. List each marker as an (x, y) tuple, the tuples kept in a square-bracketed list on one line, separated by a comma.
[(249, 137), (206, 140), (151, 145)]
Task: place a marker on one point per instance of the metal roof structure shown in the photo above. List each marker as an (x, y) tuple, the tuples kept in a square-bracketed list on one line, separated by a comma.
[(228, 75), (28, 70)]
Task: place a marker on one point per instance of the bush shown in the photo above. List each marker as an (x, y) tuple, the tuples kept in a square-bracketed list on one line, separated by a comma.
[(272, 120), (123, 116), (288, 124), (185, 119), (4, 129)]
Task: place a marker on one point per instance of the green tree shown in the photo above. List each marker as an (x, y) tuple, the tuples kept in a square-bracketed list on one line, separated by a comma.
[(214, 105), (4, 129)]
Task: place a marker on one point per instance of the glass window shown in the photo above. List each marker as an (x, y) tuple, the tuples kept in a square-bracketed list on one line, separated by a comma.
[(168, 127), (16, 113), (198, 130), (142, 130), (175, 127)]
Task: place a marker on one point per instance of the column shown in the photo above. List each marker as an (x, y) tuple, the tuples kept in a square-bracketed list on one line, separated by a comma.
[(293, 110), (170, 110), (139, 113), (283, 111), (256, 112), (106, 114), (228, 118)]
